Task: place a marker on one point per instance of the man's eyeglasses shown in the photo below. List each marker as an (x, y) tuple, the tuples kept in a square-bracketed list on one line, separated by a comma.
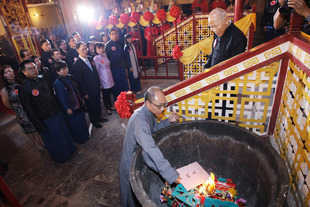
[(165, 105)]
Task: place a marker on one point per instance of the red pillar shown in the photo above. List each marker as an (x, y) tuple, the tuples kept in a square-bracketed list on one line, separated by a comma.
[(296, 22), (4, 188), (251, 32), (238, 10)]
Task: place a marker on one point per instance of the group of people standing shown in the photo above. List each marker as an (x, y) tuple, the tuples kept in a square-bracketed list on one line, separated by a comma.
[(50, 94)]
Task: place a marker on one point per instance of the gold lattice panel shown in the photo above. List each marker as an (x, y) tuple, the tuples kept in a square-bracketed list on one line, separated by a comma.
[(245, 101), (202, 29), (195, 67), (292, 132), (185, 35)]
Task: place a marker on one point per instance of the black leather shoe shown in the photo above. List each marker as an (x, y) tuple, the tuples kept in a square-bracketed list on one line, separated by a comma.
[(103, 120), (97, 125)]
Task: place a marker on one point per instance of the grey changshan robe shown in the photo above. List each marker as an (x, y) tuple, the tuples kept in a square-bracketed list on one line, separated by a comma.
[(141, 126)]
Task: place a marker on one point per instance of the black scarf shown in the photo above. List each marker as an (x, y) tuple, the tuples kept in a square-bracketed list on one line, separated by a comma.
[(75, 101)]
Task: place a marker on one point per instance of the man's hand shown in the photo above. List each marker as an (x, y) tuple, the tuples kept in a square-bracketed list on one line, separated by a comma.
[(131, 70), (178, 180), (69, 112), (300, 7), (86, 96), (173, 117)]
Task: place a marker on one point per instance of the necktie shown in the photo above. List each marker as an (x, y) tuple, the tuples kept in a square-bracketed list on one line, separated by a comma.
[(88, 63)]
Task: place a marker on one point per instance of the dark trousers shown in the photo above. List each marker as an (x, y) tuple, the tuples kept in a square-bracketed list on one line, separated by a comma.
[(94, 108), (106, 96)]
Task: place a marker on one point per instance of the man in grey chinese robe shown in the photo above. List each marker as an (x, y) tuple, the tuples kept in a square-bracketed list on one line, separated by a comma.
[(140, 127)]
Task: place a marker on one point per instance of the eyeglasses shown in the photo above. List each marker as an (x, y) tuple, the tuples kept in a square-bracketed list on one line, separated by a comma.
[(165, 105)]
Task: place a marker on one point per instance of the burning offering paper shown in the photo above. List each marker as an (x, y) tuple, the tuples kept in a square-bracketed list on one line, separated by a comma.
[(192, 175), (198, 189)]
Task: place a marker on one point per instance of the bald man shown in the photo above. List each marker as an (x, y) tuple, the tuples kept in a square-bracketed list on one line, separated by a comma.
[(141, 126), (228, 39)]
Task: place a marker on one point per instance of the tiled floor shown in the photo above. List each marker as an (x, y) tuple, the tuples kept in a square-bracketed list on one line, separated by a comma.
[(89, 179)]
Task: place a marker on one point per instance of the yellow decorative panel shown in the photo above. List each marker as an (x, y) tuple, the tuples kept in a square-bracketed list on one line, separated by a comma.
[(195, 67), (212, 79), (231, 71), (231, 102), (251, 62), (272, 52), (245, 101), (195, 86), (292, 131)]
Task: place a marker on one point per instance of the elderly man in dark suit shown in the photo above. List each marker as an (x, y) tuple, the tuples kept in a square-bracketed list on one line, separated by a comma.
[(85, 74)]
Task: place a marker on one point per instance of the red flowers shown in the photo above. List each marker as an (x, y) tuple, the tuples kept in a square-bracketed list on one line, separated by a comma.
[(177, 53), (103, 21), (113, 20), (148, 16), (161, 15), (135, 17), (122, 106), (124, 18), (147, 32), (175, 11)]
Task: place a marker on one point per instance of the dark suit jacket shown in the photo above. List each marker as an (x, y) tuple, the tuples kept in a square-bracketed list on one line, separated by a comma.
[(71, 54), (87, 80)]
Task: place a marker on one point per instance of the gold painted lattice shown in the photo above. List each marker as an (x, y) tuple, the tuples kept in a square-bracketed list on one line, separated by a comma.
[(185, 35), (292, 132), (245, 101), (195, 67), (202, 29), (170, 42)]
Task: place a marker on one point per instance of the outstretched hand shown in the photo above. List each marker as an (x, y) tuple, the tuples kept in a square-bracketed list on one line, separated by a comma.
[(173, 117), (300, 7), (178, 180)]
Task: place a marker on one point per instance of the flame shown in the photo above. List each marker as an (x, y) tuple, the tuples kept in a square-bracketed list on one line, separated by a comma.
[(208, 187)]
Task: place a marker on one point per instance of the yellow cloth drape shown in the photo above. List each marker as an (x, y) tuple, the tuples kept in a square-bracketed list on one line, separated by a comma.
[(156, 20), (191, 53), (170, 18), (304, 35), (143, 22), (131, 24), (120, 25), (109, 26)]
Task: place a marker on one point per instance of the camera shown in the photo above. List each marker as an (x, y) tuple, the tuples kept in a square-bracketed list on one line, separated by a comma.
[(285, 10)]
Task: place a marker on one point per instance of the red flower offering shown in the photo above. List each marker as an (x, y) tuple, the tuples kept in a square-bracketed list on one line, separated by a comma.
[(175, 11), (161, 15), (135, 17), (122, 106), (148, 16), (103, 21), (113, 20), (124, 18), (177, 53)]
